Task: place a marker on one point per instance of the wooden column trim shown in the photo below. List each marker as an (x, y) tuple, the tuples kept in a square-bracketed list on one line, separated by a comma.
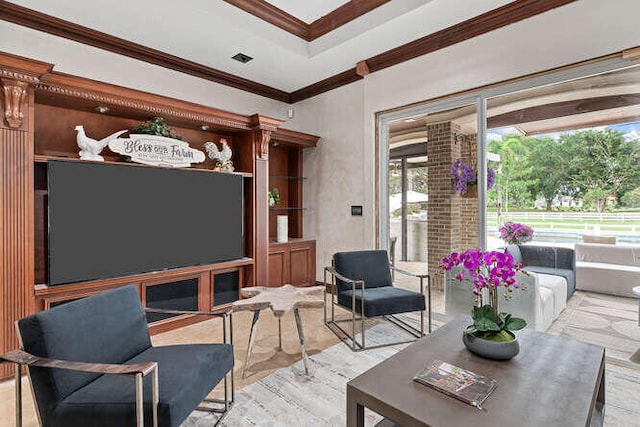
[(17, 74), (263, 127), (15, 95), (18, 77)]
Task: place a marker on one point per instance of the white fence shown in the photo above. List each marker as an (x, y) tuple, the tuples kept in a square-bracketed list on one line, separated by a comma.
[(630, 217)]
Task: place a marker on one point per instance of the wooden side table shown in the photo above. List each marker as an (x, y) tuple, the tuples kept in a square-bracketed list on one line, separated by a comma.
[(281, 300)]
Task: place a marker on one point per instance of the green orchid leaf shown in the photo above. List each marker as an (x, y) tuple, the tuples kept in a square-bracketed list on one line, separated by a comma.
[(484, 324), (515, 324)]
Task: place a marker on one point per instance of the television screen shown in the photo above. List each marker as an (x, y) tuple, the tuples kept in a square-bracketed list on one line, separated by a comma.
[(110, 220)]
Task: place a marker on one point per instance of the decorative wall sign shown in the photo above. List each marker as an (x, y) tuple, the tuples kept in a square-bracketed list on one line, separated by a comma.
[(157, 150)]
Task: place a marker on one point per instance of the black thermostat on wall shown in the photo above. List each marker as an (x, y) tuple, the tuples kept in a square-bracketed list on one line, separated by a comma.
[(356, 210)]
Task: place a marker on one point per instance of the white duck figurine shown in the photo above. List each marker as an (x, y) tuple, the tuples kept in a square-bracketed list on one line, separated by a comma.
[(90, 148)]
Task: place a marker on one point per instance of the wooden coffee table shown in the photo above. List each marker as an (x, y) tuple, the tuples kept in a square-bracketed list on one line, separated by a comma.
[(554, 381)]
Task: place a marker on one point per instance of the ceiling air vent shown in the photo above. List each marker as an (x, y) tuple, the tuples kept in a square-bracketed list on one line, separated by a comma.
[(241, 57)]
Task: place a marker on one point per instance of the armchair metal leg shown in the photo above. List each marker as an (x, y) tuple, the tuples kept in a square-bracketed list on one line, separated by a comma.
[(139, 406), (156, 395), (429, 300), (18, 379)]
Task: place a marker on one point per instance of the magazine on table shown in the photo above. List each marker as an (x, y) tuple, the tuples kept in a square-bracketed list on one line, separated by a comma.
[(457, 382)]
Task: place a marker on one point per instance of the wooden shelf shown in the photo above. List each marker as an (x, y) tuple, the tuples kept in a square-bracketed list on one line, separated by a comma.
[(45, 290), (44, 158), (288, 177)]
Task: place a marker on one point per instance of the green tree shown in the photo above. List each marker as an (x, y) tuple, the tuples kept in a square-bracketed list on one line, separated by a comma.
[(546, 166), (601, 164), (631, 198), (511, 185)]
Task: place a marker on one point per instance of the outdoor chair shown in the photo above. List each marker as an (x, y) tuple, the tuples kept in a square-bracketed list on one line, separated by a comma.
[(361, 283), (86, 361)]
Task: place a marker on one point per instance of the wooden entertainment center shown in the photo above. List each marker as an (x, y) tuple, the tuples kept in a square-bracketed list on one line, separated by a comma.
[(40, 109)]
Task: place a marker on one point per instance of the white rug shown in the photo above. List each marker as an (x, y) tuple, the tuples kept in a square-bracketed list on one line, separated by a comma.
[(289, 398)]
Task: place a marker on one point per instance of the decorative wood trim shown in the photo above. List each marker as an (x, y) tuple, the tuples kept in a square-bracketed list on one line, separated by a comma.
[(333, 82), (562, 109), (158, 276), (362, 69), (513, 12), (271, 14), (492, 20), (105, 94), (21, 68), (17, 230), (59, 27), (15, 95), (497, 18), (631, 54), (264, 123), (16, 75), (286, 136), (341, 16), (309, 32)]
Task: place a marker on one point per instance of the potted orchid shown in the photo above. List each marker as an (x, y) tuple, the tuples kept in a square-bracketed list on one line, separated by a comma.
[(465, 177), (490, 272), (514, 233)]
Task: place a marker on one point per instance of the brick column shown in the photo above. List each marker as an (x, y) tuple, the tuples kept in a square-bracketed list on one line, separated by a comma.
[(444, 221), (469, 206)]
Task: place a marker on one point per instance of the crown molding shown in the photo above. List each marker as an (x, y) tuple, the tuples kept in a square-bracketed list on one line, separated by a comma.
[(497, 18), (59, 27), (492, 20), (342, 15)]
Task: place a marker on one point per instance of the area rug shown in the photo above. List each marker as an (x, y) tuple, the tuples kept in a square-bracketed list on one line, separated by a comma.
[(605, 320), (287, 397)]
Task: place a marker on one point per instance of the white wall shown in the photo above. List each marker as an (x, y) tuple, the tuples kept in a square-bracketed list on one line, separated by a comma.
[(86, 61), (572, 33), (335, 173)]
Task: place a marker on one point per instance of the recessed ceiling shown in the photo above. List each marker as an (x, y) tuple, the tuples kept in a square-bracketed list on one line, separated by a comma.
[(308, 10), (293, 60), (210, 32)]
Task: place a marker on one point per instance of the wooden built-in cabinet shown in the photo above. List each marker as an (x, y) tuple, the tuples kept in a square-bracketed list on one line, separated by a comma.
[(292, 262), (41, 107)]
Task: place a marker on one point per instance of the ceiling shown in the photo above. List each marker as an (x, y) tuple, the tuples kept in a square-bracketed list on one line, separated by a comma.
[(205, 34), (598, 100), (307, 10)]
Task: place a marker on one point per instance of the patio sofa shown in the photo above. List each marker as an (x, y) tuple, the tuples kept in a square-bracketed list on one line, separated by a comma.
[(607, 269), (555, 261), (549, 283), (538, 305)]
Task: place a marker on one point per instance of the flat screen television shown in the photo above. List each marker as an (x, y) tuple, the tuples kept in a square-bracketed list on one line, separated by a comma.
[(110, 220)]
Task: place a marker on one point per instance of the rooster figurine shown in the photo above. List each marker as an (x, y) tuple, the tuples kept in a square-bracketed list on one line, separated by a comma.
[(222, 158), (90, 148)]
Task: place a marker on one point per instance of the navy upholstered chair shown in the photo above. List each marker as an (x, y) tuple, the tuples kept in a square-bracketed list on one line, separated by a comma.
[(79, 356), (361, 282)]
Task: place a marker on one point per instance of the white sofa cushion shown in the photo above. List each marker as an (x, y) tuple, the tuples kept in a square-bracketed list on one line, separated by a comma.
[(558, 285), (536, 304), (608, 269)]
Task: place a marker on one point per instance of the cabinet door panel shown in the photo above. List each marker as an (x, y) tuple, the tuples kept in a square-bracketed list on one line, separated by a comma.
[(301, 266), (278, 269)]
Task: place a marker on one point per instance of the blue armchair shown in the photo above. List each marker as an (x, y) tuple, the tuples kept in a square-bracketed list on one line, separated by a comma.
[(361, 282), (79, 355)]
